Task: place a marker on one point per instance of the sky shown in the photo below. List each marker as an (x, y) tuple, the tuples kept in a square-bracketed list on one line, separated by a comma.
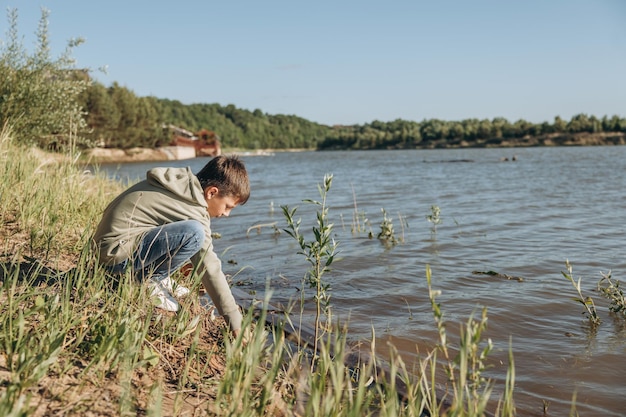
[(352, 61)]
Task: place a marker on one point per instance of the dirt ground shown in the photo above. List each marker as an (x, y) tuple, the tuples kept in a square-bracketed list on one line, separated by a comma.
[(81, 392), (75, 394)]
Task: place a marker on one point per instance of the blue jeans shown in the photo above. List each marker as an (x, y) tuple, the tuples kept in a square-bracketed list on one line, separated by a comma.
[(163, 250)]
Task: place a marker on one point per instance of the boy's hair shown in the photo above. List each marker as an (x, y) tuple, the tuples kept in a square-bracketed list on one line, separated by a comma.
[(229, 175)]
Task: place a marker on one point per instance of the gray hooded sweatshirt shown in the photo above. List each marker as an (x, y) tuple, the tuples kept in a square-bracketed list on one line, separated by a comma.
[(167, 195)]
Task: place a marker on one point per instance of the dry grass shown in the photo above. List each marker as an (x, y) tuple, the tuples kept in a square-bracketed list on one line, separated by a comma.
[(49, 207), (181, 379)]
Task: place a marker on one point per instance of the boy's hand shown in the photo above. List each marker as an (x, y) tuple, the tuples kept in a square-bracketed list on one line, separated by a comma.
[(245, 337)]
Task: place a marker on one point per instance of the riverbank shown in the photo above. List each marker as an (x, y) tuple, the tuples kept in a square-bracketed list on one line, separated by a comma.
[(558, 139), (111, 155)]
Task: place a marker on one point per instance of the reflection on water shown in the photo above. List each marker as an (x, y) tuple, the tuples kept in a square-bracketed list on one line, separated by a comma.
[(522, 218)]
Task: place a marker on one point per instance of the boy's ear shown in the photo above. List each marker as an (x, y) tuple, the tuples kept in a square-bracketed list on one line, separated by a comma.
[(210, 192)]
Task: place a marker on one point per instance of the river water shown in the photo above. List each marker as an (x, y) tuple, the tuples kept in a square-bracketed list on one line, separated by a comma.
[(521, 212)]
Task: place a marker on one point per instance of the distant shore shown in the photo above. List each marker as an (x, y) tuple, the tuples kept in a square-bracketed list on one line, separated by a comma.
[(111, 155), (114, 155)]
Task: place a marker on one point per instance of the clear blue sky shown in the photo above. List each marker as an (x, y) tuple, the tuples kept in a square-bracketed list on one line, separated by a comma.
[(353, 61)]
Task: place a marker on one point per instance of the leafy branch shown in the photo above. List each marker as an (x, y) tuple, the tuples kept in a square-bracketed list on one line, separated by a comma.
[(611, 290), (319, 251), (587, 302)]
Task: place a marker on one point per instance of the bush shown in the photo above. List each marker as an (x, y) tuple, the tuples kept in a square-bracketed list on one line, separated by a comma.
[(38, 94)]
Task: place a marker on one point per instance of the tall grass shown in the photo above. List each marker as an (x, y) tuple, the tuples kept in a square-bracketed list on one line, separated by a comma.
[(73, 342), (319, 253), (47, 199)]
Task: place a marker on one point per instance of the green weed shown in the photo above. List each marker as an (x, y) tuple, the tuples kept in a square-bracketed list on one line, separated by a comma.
[(319, 251), (360, 222), (611, 290), (471, 391), (387, 234), (587, 302), (434, 217)]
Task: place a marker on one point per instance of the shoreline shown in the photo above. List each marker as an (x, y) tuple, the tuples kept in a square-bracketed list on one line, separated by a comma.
[(116, 155), (171, 153)]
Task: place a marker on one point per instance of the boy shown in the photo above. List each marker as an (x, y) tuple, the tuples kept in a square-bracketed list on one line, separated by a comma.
[(162, 222)]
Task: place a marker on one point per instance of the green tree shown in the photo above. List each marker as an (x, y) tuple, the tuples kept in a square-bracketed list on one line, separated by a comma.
[(484, 129), (580, 123), (471, 129), (614, 124), (103, 116), (433, 129), (457, 131), (127, 104), (500, 127), (39, 95), (522, 128), (559, 125)]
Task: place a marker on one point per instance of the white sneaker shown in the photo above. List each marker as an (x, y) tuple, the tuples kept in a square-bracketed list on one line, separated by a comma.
[(172, 286), (163, 296)]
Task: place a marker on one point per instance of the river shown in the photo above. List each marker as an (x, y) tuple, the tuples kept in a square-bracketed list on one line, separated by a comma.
[(521, 212)]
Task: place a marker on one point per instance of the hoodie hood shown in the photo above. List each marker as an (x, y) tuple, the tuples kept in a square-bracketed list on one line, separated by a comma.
[(179, 181)]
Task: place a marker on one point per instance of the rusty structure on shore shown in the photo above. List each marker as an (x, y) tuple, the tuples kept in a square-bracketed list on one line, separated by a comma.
[(205, 142)]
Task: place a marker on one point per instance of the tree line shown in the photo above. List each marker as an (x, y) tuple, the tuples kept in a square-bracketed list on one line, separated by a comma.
[(49, 103), (434, 133), (143, 121)]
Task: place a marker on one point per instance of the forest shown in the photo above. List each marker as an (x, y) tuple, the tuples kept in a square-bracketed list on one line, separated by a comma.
[(47, 102), (118, 118)]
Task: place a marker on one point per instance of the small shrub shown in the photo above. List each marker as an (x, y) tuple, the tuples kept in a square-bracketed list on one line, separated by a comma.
[(387, 233), (434, 217), (587, 302), (611, 290), (40, 95)]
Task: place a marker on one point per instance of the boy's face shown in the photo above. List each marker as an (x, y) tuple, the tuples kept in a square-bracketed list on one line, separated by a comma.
[(219, 205)]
